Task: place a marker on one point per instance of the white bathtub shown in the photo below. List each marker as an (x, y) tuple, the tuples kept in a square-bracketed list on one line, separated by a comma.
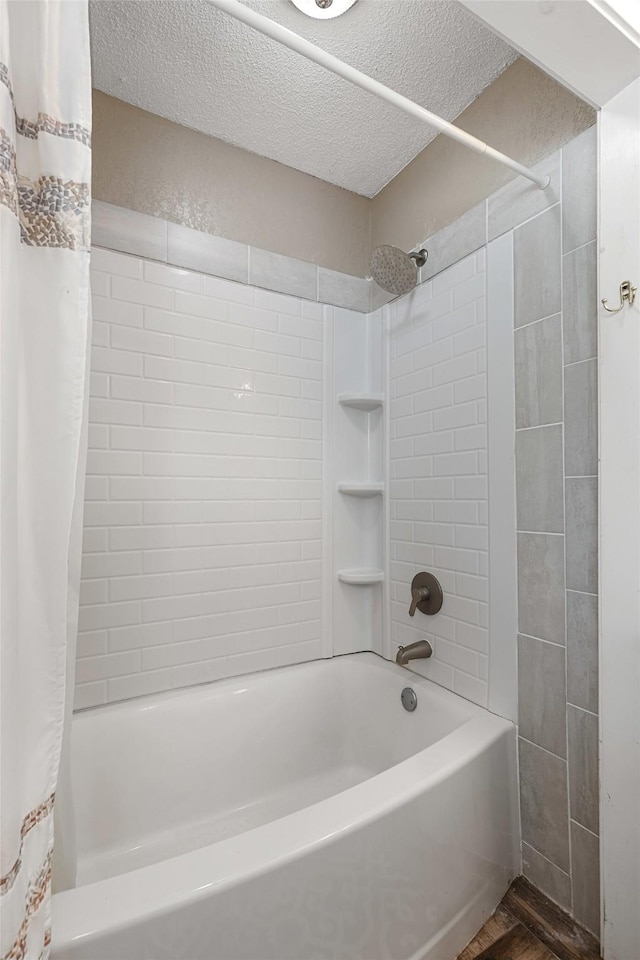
[(298, 814)]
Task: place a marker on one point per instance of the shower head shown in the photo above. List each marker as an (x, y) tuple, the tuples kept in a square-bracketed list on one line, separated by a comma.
[(394, 270)]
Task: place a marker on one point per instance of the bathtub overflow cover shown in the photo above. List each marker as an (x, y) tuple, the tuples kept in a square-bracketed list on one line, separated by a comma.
[(409, 699)]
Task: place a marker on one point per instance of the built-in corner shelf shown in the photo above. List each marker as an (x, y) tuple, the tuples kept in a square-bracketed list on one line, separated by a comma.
[(364, 489), (361, 401), (361, 578)]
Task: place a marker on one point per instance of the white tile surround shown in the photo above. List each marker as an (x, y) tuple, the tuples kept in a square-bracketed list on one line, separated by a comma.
[(169, 344), (438, 471), (216, 447), (202, 549), (457, 486)]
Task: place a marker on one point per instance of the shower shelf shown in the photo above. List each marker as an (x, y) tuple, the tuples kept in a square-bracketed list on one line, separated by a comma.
[(361, 577), (361, 401), (366, 489)]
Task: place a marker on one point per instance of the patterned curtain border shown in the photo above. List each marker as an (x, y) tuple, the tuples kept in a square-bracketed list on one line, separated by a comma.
[(36, 894), (31, 820), (52, 212), (44, 124)]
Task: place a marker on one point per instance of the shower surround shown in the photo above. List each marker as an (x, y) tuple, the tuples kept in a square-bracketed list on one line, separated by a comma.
[(202, 552), (493, 357), (438, 470)]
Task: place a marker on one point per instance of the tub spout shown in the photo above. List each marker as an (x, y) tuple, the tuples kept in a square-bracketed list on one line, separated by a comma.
[(414, 651)]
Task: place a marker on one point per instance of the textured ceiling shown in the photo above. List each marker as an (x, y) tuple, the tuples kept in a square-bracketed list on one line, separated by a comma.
[(188, 62)]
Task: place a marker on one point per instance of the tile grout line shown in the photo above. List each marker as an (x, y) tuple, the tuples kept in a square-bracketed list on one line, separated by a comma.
[(596, 836), (552, 643), (542, 855), (523, 223), (540, 426), (540, 533), (576, 706), (575, 363), (532, 743), (532, 323), (581, 246)]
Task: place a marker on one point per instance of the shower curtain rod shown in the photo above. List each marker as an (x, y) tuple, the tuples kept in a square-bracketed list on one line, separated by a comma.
[(312, 52)]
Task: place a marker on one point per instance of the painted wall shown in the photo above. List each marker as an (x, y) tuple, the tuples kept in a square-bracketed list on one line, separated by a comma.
[(524, 113), (151, 165), (148, 164), (202, 542)]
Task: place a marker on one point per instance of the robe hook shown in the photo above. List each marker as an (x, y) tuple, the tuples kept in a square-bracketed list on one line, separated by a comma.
[(627, 292)]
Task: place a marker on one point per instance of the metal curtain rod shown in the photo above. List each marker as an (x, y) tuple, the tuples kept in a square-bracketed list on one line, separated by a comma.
[(312, 52)]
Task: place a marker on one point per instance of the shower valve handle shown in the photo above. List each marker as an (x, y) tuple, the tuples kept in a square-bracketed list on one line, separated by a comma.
[(418, 594), (426, 594)]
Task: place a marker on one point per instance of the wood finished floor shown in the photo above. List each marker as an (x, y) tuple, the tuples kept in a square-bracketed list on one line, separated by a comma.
[(529, 926)]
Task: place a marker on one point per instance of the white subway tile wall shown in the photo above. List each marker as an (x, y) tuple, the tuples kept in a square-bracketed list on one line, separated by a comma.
[(438, 471), (202, 547)]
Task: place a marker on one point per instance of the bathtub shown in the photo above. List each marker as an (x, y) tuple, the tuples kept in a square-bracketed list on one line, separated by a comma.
[(296, 814)]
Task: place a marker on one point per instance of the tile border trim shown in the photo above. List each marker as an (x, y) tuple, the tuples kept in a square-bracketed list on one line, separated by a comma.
[(139, 234), (231, 260)]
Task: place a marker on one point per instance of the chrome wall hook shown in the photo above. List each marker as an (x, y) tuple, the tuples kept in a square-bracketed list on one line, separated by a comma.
[(627, 292)]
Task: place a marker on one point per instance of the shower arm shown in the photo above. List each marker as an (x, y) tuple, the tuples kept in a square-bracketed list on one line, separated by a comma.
[(313, 52)]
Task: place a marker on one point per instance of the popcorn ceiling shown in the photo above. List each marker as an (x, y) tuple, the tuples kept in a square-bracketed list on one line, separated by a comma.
[(198, 67)]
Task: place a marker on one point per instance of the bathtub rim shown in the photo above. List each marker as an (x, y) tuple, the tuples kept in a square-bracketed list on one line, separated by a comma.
[(118, 903), (366, 658)]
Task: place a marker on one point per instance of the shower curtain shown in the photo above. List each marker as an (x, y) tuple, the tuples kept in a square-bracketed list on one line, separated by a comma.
[(45, 162)]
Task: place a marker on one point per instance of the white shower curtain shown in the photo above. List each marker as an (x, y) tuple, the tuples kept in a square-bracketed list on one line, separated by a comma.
[(45, 162)]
